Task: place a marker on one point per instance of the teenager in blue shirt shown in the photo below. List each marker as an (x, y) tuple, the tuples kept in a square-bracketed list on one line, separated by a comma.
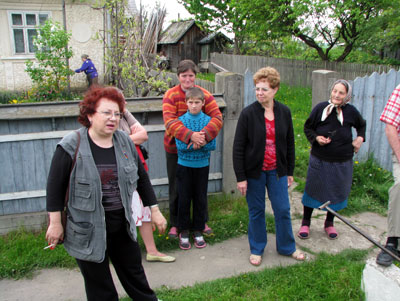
[(192, 173), (89, 69)]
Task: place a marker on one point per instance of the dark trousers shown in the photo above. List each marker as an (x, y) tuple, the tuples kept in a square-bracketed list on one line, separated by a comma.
[(92, 81), (192, 186), (172, 161), (126, 258)]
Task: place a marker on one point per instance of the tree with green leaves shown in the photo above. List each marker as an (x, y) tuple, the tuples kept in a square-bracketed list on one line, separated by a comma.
[(131, 68), (217, 14), (320, 24), (50, 71)]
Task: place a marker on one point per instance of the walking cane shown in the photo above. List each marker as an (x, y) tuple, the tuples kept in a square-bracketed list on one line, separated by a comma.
[(358, 230)]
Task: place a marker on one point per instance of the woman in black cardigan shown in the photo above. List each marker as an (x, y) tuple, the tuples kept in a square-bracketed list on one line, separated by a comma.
[(263, 157)]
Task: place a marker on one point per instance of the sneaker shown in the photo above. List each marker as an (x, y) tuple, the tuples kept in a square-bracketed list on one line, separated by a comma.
[(384, 258), (173, 233), (184, 242), (199, 241), (208, 232)]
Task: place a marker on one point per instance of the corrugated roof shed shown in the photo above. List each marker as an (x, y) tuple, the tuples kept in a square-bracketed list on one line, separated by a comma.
[(175, 32)]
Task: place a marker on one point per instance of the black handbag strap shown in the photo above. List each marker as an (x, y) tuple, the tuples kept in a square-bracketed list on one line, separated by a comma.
[(72, 167)]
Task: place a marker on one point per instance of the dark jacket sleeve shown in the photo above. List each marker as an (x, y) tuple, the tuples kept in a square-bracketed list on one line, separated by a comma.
[(310, 125), (290, 146), (58, 179), (239, 148), (360, 124)]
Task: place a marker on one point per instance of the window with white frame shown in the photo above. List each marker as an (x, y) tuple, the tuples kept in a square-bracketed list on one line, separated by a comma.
[(23, 29)]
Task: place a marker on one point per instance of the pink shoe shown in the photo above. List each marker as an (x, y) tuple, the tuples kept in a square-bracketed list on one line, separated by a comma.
[(208, 232), (304, 232), (331, 232), (173, 233), (184, 242), (199, 241)]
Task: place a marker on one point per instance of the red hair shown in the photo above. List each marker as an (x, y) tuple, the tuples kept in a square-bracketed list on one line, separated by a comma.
[(90, 103)]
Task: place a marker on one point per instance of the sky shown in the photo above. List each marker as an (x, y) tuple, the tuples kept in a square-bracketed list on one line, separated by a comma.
[(173, 9)]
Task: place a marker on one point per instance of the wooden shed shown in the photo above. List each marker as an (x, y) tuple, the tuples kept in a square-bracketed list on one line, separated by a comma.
[(180, 41), (214, 42)]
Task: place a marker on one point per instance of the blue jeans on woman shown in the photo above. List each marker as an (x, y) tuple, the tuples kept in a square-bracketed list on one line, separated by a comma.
[(277, 188)]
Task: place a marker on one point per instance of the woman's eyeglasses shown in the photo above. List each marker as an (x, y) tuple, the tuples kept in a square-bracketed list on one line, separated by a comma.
[(257, 89), (108, 114)]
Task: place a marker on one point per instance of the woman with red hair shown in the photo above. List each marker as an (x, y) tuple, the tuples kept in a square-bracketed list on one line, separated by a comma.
[(100, 183)]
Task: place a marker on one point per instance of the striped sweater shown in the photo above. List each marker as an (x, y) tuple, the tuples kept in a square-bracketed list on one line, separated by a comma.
[(174, 106)]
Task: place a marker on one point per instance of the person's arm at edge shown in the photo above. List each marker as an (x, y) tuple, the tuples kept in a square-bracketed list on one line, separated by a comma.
[(393, 139), (84, 66), (57, 183)]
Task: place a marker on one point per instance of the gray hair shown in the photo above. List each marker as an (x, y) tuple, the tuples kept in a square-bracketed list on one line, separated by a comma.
[(347, 85)]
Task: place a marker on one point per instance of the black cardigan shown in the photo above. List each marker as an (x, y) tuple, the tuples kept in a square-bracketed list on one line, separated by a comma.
[(249, 142), (341, 148)]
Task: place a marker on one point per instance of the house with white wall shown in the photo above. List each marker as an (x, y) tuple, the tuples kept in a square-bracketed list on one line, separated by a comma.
[(18, 21)]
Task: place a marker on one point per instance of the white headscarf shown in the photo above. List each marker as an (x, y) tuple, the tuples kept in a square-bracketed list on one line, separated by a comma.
[(329, 108)]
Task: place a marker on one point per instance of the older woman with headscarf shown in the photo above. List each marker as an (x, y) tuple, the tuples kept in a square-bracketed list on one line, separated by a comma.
[(330, 169)]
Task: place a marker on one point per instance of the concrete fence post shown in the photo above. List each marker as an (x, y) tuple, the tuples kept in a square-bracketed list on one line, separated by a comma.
[(322, 80), (231, 85)]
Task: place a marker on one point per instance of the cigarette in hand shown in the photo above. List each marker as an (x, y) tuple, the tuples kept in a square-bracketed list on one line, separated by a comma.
[(49, 246)]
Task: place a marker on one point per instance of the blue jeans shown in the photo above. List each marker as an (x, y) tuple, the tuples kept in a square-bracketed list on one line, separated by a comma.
[(279, 197)]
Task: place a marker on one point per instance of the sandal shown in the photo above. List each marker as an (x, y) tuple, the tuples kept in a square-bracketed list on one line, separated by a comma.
[(304, 232), (298, 255), (173, 233), (255, 259), (184, 242), (208, 232), (331, 232), (199, 241)]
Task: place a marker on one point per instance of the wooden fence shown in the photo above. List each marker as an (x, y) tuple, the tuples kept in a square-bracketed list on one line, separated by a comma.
[(29, 134), (370, 95), (294, 72)]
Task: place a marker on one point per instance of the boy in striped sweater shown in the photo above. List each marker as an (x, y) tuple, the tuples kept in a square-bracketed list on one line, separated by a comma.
[(192, 173)]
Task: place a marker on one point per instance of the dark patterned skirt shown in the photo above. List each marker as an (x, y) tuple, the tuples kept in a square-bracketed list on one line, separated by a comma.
[(328, 181)]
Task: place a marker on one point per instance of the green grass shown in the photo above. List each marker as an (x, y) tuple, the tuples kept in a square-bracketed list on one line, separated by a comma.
[(328, 277), (21, 252), (206, 76)]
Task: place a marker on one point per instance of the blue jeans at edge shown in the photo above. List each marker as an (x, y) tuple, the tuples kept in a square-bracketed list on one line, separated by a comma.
[(278, 194)]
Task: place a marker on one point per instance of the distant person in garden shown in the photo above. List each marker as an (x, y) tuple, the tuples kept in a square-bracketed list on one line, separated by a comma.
[(89, 69), (141, 214), (192, 173), (263, 158), (330, 168), (100, 227), (174, 106), (391, 116)]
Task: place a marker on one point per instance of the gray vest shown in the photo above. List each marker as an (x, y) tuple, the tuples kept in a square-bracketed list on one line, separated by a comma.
[(85, 234)]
